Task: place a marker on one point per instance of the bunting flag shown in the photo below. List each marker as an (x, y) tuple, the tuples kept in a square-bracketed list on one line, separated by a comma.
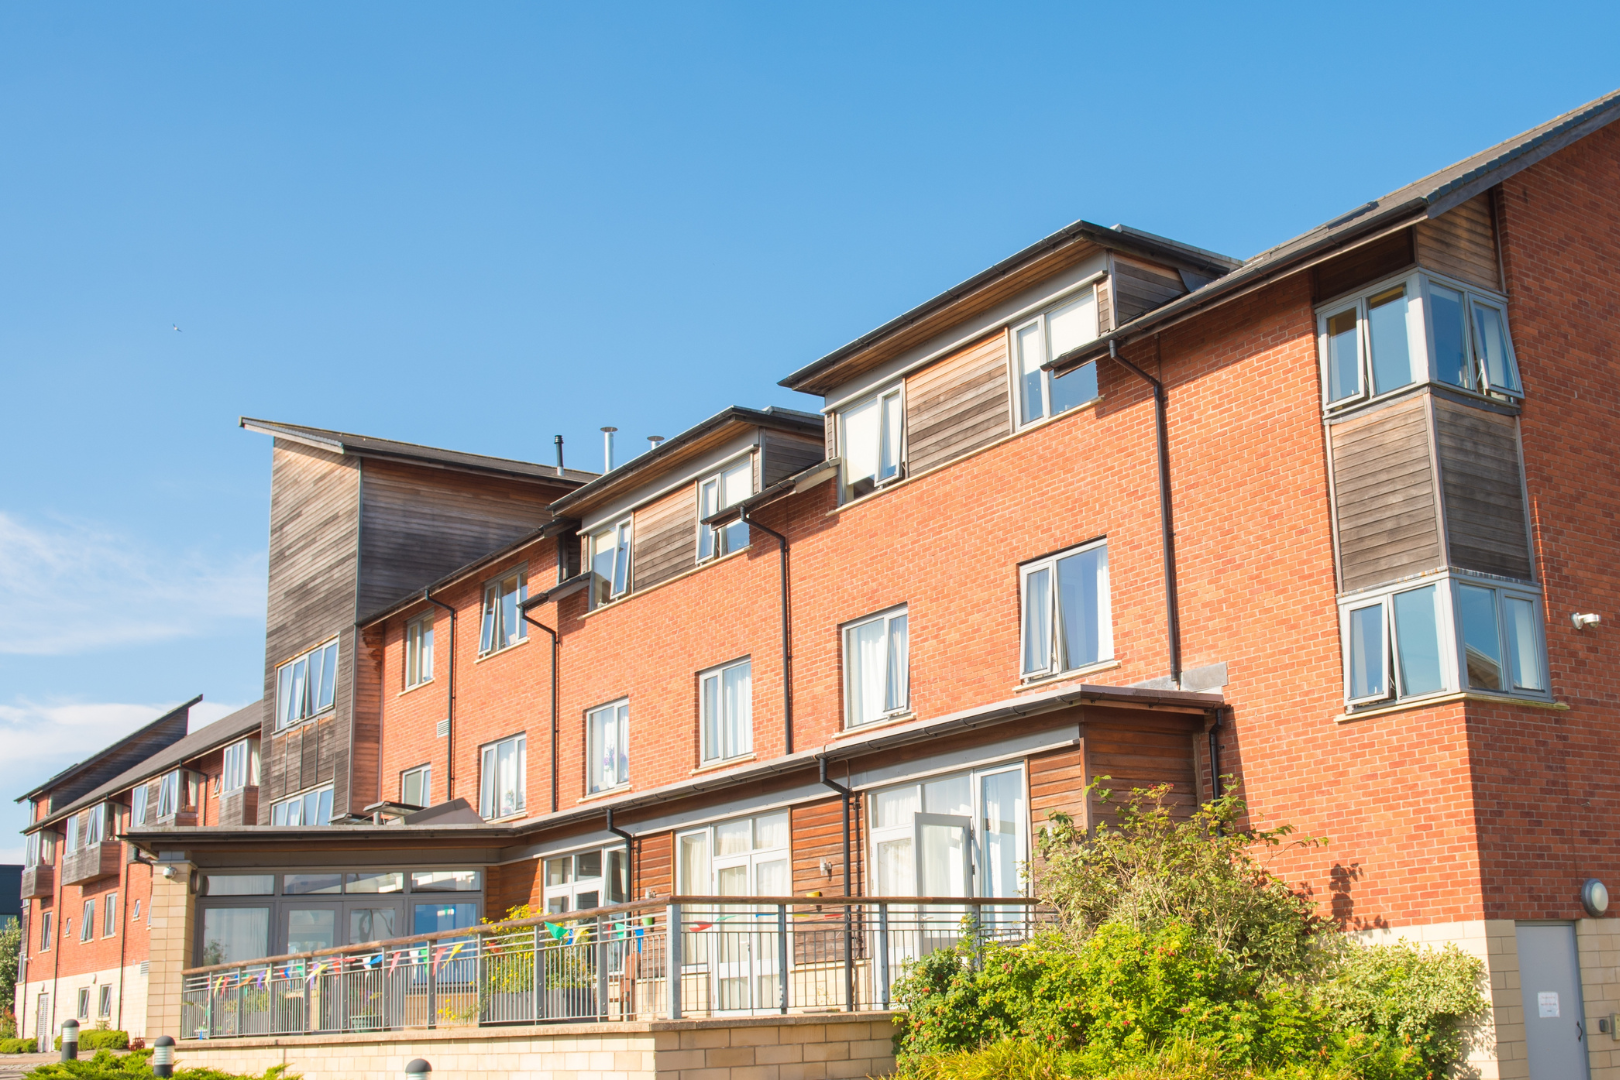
[(394, 963)]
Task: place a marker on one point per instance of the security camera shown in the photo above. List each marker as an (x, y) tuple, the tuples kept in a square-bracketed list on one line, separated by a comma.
[(1583, 621), (168, 872)]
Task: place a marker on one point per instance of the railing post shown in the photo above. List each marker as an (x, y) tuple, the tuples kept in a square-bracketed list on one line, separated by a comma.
[(382, 989), (883, 953), (309, 980), (478, 978), (538, 977), (432, 985), (672, 955), (238, 1030), (601, 970), (782, 953), (849, 959)]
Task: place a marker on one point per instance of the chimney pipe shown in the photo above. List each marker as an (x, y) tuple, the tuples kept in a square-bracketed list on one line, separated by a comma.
[(653, 441), (607, 448), (558, 441)]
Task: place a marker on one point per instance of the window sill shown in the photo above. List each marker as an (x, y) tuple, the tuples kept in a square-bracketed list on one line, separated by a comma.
[(420, 685), (698, 569), (324, 714), (1447, 699), (887, 721), (1046, 682), (605, 793), (493, 653), (516, 815), (726, 764), (896, 485)]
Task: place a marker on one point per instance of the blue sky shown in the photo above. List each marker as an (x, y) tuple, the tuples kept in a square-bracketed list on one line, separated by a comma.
[(478, 226)]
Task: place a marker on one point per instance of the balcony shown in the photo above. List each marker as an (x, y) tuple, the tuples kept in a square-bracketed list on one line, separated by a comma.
[(90, 863), (38, 882)]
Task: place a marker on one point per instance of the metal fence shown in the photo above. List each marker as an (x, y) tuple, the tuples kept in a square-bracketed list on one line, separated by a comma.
[(728, 956)]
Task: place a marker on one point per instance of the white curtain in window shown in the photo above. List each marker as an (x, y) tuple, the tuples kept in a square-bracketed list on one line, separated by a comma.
[(861, 438), (712, 747), (1002, 798), (739, 708), (899, 689), (867, 671), (1037, 621), (1073, 324)]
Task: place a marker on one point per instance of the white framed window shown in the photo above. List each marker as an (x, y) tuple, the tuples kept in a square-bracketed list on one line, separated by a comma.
[(610, 561), (728, 487), (137, 805), (1417, 328), (313, 807), (41, 849), (109, 915), (1067, 618), (1445, 634), (95, 825), (104, 1009), (503, 624), (87, 923), (241, 766), (1066, 325), (502, 778), (135, 912), (84, 1003), (958, 834), (747, 856), (871, 440), (45, 931), (71, 840), (305, 685), (877, 667), (577, 882), (419, 651), (169, 793), (726, 708), (416, 786), (607, 747)]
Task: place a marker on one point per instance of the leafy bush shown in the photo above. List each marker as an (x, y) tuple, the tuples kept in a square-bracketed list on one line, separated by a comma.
[(1179, 954), (136, 1065), (99, 1039), (17, 1046)]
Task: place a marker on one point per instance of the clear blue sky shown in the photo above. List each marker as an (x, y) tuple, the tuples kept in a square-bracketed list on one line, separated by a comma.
[(477, 226)]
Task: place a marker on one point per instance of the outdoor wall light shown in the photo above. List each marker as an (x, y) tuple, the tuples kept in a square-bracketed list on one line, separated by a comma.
[(1595, 897), (1583, 621)]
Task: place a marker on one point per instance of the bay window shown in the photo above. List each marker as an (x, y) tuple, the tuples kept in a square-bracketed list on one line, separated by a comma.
[(419, 651), (1068, 325), (870, 440), (726, 702), (503, 624), (1448, 634), (610, 562), (41, 849), (877, 658), (726, 488), (502, 778), (1067, 620), (168, 803), (305, 685), (607, 747), (1420, 328), (241, 766)]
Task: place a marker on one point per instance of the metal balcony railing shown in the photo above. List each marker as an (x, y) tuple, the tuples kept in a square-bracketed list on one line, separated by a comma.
[(729, 956)]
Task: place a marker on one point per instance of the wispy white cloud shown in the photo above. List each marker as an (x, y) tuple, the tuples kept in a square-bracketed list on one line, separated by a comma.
[(40, 740), (71, 587)]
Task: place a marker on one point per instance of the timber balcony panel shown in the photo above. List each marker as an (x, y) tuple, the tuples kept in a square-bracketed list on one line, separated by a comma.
[(240, 807), (37, 882), (88, 864)]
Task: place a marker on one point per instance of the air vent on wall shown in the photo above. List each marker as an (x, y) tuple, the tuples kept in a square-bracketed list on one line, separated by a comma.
[(444, 728), (146, 967)]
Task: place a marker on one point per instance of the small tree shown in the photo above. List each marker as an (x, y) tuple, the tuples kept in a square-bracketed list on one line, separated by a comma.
[(10, 957)]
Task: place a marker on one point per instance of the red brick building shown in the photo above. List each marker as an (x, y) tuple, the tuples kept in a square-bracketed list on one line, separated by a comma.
[(1331, 521)]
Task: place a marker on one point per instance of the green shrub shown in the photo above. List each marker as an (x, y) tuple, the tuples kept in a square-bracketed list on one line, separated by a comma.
[(99, 1039), (16, 1046), (135, 1065), (1016, 1060)]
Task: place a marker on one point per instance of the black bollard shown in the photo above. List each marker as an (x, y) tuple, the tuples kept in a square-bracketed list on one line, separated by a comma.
[(162, 1056), (417, 1070), (70, 1040)]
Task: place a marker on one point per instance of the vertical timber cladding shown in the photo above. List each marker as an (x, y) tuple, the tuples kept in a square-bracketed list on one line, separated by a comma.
[(314, 547), (1486, 523), (958, 404), (665, 541), (1461, 243), (1384, 494), (781, 455)]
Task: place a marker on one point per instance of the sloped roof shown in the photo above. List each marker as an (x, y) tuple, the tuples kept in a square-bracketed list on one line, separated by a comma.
[(113, 759), (243, 722), (343, 442)]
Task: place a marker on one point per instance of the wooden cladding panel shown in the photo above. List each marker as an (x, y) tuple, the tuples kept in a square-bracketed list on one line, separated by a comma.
[(1484, 496), (1383, 489), (1057, 781), (665, 541), (365, 769), (1461, 243), (1362, 265), (783, 455), (1135, 756), (958, 405), (818, 834), (1140, 287), (655, 865), (419, 524), (1105, 307), (829, 431), (239, 807)]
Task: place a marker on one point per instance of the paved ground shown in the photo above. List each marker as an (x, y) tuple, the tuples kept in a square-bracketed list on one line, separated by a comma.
[(13, 1066)]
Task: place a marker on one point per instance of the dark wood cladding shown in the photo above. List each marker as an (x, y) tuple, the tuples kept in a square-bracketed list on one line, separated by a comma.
[(665, 542), (1139, 287), (1124, 756), (1484, 495), (417, 525), (1461, 243), (818, 836), (92, 863), (38, 883), (829, 432), (654, 865), (239, 807), (1384, 494), (957, 405), (1057, 780), (1105, 307), (781, 455), (1367, 263)]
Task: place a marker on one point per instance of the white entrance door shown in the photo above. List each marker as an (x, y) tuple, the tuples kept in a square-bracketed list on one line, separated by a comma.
[(1554, 1018)]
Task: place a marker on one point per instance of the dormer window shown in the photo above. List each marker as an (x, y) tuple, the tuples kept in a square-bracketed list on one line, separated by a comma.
[(610, 562), (1420, 328), (726, 488), (503, 626), (1066, 326), (871, 442), (305, 685)]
